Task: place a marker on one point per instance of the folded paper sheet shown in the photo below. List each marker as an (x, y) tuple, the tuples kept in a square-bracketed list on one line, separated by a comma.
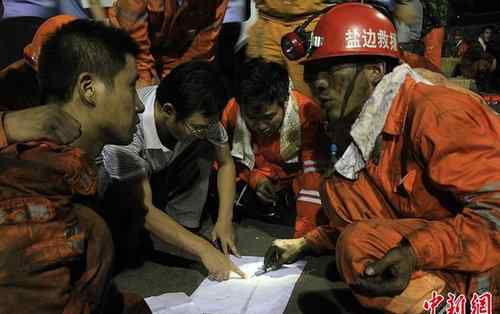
[(265, 294), (172, 303), (186, 308)]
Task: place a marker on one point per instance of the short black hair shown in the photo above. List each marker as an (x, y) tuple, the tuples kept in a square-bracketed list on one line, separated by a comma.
[(191, 87), (262, 83), (484, 28), (82, 46)]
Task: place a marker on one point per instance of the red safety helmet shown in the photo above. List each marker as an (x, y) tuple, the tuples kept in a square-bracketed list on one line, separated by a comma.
[(353, 29)]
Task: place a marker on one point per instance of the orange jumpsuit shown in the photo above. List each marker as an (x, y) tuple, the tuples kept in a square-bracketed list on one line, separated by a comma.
[(434, 42), (275, 19), (168, 34), (270, 164), (418, 62), (55, 256), (436, 183)]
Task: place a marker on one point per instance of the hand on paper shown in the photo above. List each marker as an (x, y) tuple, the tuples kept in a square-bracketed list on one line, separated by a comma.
[(284, 252), (224, 232), (219, 266)]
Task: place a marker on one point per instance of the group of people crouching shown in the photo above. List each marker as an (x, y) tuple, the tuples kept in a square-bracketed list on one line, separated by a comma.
[(403, 166)]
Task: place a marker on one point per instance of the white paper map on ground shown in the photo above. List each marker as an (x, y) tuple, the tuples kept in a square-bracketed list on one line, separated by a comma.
[(265, 294), (172, 303), (186, 308)]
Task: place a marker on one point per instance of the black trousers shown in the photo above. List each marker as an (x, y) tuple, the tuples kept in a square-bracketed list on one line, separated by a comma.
[(126, 221)]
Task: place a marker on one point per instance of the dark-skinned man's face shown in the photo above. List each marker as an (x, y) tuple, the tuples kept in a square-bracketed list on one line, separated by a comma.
[(331, 86), (267, 121)]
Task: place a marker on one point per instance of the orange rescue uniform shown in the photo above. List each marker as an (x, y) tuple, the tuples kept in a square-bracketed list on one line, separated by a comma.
[(434, 42), (270, 164), (418, 62), (56, 256), (169, 34), (435, 183), (431, 60), (275, 19)]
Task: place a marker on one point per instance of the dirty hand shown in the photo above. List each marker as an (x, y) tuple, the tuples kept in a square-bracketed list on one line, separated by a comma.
[(388, 276), (224, 232), (266, 191), (284, 252), (218, 265), (41, 123)]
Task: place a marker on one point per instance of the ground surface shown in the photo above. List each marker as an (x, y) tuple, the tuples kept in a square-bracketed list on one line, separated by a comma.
[(319, 289)]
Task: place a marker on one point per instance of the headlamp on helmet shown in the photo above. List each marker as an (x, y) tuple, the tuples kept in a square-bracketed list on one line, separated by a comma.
[(348, 29)]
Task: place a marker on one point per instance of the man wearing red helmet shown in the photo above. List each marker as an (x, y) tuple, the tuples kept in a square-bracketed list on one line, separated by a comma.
[(414, 195)]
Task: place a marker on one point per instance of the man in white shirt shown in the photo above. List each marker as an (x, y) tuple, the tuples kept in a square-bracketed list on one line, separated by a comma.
[(175, 144)]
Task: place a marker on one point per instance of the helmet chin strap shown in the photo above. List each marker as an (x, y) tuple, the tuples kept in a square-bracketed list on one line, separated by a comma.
[(341, 124)]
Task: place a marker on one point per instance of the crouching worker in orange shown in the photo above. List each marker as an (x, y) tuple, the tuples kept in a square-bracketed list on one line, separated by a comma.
[(169, 32), (56, 254), (414, 202), (276, 142)]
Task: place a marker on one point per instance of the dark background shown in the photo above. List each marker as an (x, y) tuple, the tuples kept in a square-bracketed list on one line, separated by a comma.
[(469, 12)]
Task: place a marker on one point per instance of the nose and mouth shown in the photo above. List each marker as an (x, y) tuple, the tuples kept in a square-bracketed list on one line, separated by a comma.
[(324, 99), (327, 105), (321, 94)]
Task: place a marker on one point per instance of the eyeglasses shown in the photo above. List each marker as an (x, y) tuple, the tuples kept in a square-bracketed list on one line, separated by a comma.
[(197, 131)]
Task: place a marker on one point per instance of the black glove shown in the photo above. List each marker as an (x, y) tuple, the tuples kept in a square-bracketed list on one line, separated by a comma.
[(388, 276), (272, 258)]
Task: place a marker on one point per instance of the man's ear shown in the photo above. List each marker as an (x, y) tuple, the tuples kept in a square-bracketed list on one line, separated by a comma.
[(168, 109), (375, 72), (87, 89)]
